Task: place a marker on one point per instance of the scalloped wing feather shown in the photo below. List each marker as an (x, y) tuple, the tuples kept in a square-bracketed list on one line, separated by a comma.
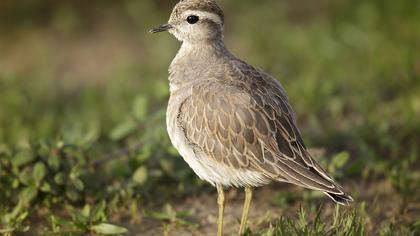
[(242, 118)]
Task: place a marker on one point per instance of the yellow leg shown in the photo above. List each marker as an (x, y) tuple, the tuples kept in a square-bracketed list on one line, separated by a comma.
[(221, 203), (247, 204)]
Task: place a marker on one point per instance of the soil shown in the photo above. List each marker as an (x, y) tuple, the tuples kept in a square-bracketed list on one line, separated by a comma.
[(384, 205)]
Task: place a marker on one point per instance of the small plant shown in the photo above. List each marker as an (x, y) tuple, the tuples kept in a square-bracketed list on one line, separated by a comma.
[(344, 224), (404, 179), (88, 220), (168, 214)]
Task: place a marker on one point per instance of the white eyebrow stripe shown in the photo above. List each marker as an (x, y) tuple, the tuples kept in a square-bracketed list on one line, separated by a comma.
[(205, 15)]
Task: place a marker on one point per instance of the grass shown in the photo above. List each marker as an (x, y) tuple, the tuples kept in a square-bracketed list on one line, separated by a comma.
[(342, 224), (83, 145)]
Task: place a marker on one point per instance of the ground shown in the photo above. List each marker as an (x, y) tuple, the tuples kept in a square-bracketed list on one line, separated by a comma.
[(203, 210)]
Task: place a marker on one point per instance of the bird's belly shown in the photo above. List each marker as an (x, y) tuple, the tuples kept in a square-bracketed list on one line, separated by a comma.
[(216, 173)]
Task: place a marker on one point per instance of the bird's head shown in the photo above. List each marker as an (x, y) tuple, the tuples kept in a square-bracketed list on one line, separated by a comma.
[(194, 21)]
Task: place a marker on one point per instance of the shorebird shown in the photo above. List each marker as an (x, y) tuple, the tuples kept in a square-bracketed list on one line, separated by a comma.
[(230, 122)]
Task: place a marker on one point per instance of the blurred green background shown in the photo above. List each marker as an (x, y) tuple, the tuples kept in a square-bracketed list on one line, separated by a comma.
[(83, 93)]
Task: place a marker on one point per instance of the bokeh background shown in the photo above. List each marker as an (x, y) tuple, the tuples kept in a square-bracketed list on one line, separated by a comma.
[(83, 93)]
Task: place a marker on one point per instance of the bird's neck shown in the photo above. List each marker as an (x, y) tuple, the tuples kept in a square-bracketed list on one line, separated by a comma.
[(193, 60), (197, 52)]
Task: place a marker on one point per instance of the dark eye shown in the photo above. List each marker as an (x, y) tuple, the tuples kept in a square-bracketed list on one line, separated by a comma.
[(192, 19)]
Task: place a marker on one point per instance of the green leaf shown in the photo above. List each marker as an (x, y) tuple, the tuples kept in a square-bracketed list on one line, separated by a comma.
[(86, 210), (4, 150), (341, 159), (98, 212), (144, 154), (39, 172), (25, 176), (78, 184), (27, 195), (63, 222), (140, 108), (23, 157), (108, 229), (160, 89), (80, 218), (46, 187), (76, 171), (123, 129), (140, 175), (158, 215), (15, 183), (60, 178), (7, 230), (72, 194), (54, 162)]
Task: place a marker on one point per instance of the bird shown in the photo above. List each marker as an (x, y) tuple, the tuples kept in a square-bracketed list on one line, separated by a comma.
[(232, 123)]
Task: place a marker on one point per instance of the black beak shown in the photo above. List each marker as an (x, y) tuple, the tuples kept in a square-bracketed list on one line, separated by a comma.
[(164, 27)]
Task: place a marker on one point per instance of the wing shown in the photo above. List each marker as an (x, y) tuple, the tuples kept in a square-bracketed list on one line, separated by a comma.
[(243, 119)]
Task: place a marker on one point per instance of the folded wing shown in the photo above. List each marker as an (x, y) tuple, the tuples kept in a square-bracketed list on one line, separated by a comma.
[(243, 119)]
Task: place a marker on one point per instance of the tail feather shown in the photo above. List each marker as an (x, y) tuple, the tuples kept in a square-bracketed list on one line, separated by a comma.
[(342, 199)]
